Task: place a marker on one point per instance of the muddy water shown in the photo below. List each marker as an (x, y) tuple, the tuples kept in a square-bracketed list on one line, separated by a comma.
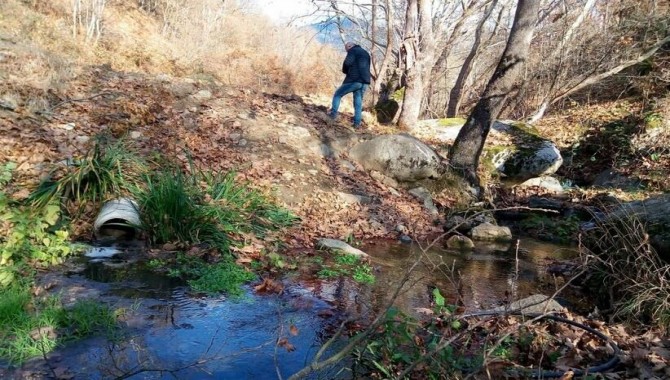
[(170, 333)]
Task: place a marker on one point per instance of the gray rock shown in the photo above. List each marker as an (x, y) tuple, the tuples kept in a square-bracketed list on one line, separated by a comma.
[(424, 195), (353, 198), (490, 232), (613, 180), (460, 242), (340, 246), (534, 159), (405, 239), (535, 304), (202, 95), (401, 157), (550, 184), (388, 181)]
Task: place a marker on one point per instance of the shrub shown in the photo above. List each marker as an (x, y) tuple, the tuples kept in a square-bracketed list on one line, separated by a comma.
[(636, 279)]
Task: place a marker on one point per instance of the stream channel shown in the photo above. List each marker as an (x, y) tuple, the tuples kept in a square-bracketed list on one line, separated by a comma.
[(169, 333)]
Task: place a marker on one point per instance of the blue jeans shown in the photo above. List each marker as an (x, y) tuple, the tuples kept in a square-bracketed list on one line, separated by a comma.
[(358, 89)]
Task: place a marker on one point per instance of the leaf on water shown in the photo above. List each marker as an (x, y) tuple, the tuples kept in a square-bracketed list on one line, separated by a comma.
[(269, 286), (293, 330), (283, 342)]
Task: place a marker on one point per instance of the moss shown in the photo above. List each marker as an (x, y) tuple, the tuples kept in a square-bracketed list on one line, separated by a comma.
[(451, 122)]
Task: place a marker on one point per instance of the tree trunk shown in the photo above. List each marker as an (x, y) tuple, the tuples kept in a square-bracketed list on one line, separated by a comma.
[(464, 154), (457, 91), (382, 77), (419, 55)]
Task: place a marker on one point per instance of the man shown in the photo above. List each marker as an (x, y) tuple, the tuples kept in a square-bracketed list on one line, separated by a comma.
[(356, 66)]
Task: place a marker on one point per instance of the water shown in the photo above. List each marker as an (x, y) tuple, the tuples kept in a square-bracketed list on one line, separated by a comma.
[(170, 333)]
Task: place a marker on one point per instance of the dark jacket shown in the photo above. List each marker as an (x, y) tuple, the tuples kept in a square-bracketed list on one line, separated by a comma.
[(357, 65)]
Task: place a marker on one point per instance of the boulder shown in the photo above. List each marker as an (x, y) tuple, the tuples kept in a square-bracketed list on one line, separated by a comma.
[(340, 246), (401, 157), (534, 158), (491, 232), (460, 242)]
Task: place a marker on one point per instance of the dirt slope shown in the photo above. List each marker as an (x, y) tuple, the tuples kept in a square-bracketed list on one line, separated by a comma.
[(279, 143)]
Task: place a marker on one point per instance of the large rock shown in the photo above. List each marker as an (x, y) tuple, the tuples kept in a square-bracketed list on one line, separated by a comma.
[(491, 232), (516, 149), (401, 157), (533, 158)]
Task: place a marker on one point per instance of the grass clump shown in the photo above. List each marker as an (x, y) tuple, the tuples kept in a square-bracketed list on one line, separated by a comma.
[(206, 209), (632, 279), (34, 327), (106, 169)]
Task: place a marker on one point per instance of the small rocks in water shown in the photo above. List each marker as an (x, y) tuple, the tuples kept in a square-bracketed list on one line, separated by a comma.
[(460, 242), (488, 231), (337, 245), (405, 239)]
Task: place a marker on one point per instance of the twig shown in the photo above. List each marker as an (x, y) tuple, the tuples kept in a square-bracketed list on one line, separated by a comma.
[(50, 110)]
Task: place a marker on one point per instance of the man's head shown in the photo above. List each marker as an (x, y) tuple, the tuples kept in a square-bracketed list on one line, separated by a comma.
[(349, 45)]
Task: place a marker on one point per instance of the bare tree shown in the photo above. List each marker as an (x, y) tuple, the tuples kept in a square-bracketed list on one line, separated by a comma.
[(457, 90), (464, 154)]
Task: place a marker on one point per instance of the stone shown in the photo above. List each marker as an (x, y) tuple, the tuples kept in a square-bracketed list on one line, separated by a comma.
[(401, 157), (490, 232), (547, 183), (524, 161), (135, 135), (460, 242), (353, 198), (535, 304), (340, 246), (424, 195)]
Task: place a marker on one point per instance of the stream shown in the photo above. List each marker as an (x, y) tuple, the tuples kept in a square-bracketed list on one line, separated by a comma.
[(169, 333)]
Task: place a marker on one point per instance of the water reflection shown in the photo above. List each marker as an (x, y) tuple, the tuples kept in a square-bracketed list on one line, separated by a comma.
[(489, 275)]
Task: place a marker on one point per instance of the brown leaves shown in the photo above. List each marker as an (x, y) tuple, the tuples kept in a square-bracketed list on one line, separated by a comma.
[(283, 342), (269, 286)]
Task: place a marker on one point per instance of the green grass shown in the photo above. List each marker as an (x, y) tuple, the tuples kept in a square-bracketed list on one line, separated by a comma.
[(34, 327), (205, 207), (348, 265), (107, 169), (223, 277)]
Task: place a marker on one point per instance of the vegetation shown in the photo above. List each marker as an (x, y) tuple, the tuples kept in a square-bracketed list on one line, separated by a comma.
[(29, 236), (107, 169), (632, 279), (31, 327), (348, 265)]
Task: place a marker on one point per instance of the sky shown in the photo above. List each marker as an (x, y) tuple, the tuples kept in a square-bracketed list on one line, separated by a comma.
[(282, 11)]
